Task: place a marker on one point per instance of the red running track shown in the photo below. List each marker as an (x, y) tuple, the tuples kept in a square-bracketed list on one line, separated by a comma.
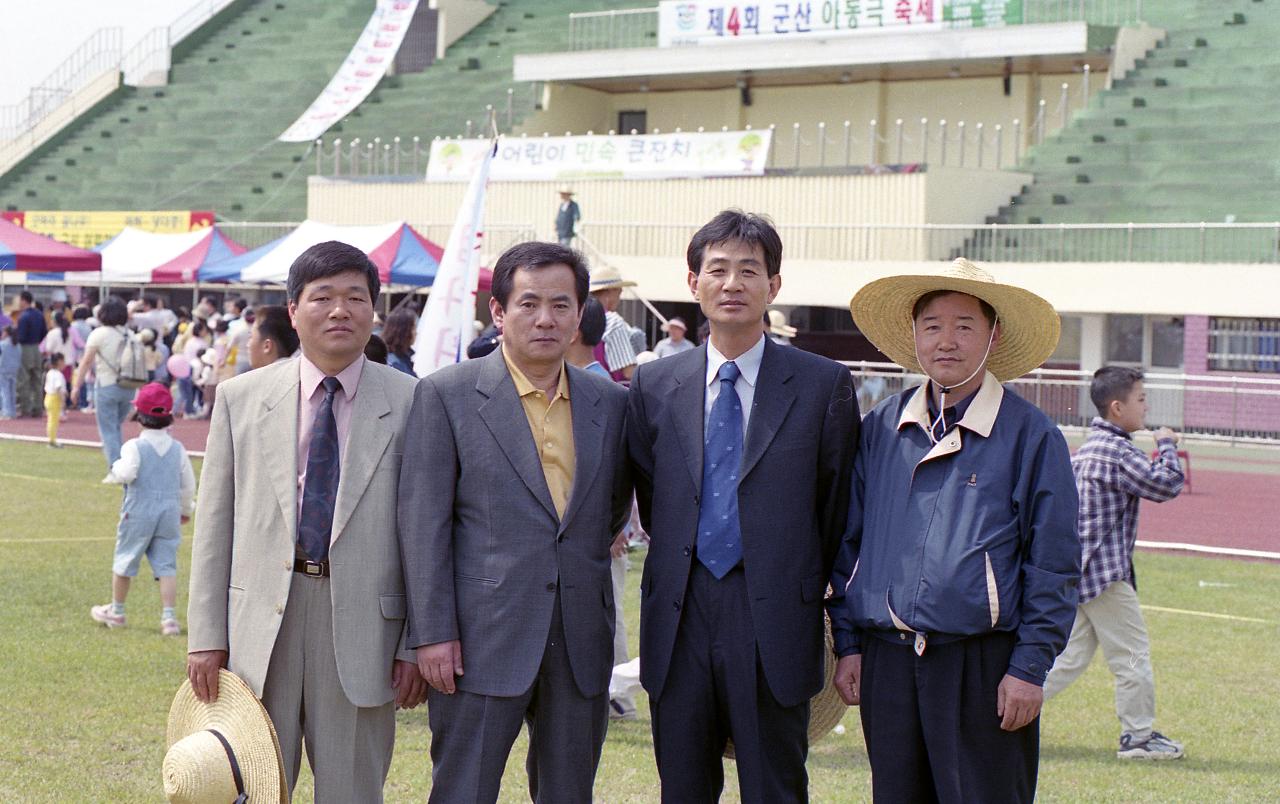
[(1226, 509), (83, 427)]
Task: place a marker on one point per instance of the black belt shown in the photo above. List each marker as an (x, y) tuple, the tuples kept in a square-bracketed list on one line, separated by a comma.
[(313, 569)]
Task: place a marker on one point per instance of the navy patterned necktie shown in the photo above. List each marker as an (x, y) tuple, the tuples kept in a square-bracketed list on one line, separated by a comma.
[(719, 531), (320, 491)]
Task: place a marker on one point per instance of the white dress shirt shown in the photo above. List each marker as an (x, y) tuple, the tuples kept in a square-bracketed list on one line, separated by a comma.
[(749, 371)]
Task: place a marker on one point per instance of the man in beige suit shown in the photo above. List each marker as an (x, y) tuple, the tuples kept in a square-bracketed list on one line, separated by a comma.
[(296, 583)]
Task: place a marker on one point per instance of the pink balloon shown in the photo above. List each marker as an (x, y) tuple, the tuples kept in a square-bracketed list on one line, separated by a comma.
[(179, 367)]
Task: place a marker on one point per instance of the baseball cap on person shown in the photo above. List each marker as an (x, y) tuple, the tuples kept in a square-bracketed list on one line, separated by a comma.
[(154, 399)]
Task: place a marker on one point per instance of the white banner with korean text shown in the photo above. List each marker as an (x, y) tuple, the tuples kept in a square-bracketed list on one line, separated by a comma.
[(639, 156), (709, 22), (445, 325), (364, 67)]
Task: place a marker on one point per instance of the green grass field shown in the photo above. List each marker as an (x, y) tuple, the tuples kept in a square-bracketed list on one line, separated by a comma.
[(82, 710)]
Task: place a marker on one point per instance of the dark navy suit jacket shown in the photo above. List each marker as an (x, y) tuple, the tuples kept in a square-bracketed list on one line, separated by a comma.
[(793, 502)]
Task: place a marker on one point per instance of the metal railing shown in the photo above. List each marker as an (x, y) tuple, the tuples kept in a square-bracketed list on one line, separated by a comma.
[(620, 28), (1235, 409), (148, 56), (407, 156), (102, 52), (1085, 242), (197, 14), (820, 145), (638, 27), (98, 54), (1094, 12)]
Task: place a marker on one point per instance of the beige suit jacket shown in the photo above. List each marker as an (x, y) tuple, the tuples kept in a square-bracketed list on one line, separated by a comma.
[(246, 529)]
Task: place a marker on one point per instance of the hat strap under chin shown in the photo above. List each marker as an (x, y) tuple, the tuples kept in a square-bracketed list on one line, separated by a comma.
[(243, 797), (943, 389)]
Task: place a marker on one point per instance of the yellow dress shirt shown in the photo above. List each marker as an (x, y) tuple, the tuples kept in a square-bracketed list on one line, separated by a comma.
[(551, 423)]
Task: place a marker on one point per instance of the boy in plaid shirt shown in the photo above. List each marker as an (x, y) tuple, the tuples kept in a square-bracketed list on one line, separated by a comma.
[(1112, 473)]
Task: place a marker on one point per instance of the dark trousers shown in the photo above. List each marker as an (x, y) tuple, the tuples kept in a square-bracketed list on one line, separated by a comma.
[(931, 727), (716, 691), (31, 381), (472, 735)]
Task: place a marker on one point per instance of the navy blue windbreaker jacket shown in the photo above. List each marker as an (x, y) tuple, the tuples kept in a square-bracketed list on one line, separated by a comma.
[(972, 535)]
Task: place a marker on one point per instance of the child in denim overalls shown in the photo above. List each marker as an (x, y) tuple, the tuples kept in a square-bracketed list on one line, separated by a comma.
[(159, 498)]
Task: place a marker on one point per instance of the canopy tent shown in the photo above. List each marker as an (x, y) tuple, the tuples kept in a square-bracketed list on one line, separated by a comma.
[(137, 256), (23, 250), (402, 256)]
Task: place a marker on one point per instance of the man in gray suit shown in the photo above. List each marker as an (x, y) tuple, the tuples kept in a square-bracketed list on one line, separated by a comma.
[(296, 583), (514, 484)]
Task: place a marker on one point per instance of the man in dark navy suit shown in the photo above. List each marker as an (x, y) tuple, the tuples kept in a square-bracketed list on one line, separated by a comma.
[(742, 451)]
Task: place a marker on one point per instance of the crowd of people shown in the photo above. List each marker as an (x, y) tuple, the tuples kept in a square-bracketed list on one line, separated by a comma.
[(105, 352), (367, 541)]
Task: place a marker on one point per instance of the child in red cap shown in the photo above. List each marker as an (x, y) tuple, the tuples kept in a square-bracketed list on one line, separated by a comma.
[(159, 498)]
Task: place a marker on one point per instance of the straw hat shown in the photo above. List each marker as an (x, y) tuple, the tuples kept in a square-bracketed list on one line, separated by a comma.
[(604, 277), (565, 191), (198, 766), (778, 324), (677, 322), (825, 709), (1029, 325)]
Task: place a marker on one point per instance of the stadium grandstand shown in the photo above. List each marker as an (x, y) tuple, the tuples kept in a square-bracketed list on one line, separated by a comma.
[(1115, 156)]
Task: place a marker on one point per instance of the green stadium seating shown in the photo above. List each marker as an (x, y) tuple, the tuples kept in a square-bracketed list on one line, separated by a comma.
[(206, 141), (1188, 136)]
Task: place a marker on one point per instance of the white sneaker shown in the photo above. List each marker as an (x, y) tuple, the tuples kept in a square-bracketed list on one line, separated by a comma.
[(1156, 747), (102, 614), (170, 627)]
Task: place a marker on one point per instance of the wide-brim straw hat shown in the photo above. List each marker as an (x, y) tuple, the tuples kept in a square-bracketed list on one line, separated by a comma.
[(604, 277), (1029, 326), (826, 710), (778, 324), (197, 768), (565, 191)]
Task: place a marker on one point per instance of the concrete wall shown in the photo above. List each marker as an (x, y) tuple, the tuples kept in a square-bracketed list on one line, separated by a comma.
[(1204, 409), (457, 17), (972, 100), (640, 217)]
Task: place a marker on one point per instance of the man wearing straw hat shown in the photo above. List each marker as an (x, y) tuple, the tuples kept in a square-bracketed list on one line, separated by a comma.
[(955, 586), (741, 450), (567, 217), (619, 353), (675, 342), (777, 328)]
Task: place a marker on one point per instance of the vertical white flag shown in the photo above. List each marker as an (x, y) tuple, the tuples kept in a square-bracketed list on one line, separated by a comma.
[(445, 326)]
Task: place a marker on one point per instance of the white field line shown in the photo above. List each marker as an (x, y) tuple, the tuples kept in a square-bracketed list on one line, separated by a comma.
[(72, 442), (1210, 614), (1238, 552), (33, 477), (60, 539)]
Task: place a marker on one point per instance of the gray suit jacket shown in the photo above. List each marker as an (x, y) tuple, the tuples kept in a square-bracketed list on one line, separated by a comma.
[(247, 522), (483, 550)]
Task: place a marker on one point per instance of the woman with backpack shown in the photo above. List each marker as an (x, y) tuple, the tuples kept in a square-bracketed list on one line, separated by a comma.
[(118, 361)]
